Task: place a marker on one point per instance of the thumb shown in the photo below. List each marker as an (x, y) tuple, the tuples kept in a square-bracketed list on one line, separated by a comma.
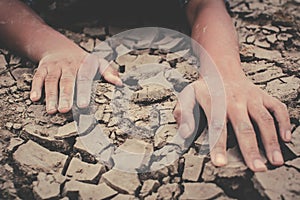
[(183, 112), (109, 73)]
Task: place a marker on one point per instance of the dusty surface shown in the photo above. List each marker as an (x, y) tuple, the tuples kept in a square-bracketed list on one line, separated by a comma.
[(42, 157)]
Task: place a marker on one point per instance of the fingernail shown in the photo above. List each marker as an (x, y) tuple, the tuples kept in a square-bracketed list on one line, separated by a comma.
[(277, 157), (220, 159), (288, 135), (184, 130), (259, 165)]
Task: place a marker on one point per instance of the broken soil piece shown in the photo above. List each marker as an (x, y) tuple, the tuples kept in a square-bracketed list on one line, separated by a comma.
[(79, 190), (280, 183), (84, 172), (198, 191), (124, 182), (192, 167), (94, 31), (132, 154), (294, 145), (14, 143), (66, 131), (164, 134), (166, 117), (48, 186), (33, 157), (124, 197), (234, 168), (148, 187), (86, 122), (294, 163), (169, 191), (150, 94)]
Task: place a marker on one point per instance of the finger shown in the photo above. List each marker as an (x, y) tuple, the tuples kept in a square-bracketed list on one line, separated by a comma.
[(246, 137), (109, 73), (183, 111), (267, 130), (37, 83), (218, 148), (214, 107), (51, 88), (66, 92), (85, 76), (281, 114)]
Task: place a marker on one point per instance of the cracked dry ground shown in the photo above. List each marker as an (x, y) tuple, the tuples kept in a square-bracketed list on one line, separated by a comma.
[(42, 157)]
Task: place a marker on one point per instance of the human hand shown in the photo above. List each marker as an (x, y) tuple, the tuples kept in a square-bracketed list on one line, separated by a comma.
[(58, 72), (244, 102)]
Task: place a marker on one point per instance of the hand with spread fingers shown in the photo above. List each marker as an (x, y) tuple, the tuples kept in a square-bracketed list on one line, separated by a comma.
[(251, 103), (61, 61), (60, 72)]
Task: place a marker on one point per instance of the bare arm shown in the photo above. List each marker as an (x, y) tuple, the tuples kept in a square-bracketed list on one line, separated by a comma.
[(24, 31)]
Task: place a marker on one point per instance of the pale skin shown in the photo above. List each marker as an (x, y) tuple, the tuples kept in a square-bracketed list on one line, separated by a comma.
[(60, 60)]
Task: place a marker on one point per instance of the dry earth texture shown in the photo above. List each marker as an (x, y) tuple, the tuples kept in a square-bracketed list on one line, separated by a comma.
[(42, 156)]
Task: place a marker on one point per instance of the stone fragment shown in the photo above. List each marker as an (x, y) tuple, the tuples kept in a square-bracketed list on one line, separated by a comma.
[(85, 123), (6, 80), (99, 113), (148, 187), (141, 60), (88, 45), (33, 157), (260, 53), (198, 191), (85, 172), (94, 31), (188, 71), (48, 186), (14, 143), (153, 196), (294, 145), (125, 60), (169, 191), (81, 190), (67, 131), (123, 182), (234, 168), (170, 44), (45, 136), (177, 55), (132, 154), (166, 117), (280, 183), (294, 163), (192, 167), (153, 93), (271, 38), (95, 144), (284, 89), (164, 134), (284, 36), (124, 197), (262, 43), (2, 62)]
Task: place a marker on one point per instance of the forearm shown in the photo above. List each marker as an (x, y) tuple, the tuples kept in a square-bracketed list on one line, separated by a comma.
[(213, 29), (24, 31)]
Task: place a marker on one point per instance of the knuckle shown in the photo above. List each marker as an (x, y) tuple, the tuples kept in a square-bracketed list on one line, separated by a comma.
[(217, 125), (51, 78), (245, 129), (272, 142), (67, 79), (266, 117), (252, 151)]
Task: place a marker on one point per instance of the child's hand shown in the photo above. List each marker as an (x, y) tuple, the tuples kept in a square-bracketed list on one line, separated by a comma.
[(59, 71), (244, 102)]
